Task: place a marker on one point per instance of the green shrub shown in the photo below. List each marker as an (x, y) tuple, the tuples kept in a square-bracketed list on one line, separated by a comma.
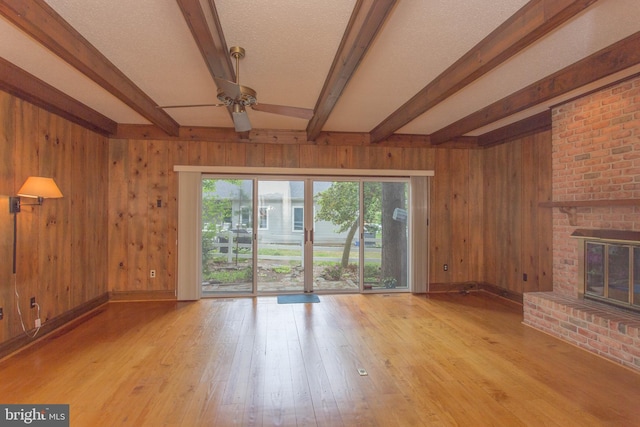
[(333, 272)]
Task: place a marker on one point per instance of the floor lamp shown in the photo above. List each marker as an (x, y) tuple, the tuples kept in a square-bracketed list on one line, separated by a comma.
[(35, 187)]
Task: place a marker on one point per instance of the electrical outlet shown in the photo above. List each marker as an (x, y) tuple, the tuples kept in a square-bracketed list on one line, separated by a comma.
[(445, 267), (524, 277), (152, 274), (1, 313), (33, 302)]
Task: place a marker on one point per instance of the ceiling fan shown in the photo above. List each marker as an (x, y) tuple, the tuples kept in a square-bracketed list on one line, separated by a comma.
[(239, 97)]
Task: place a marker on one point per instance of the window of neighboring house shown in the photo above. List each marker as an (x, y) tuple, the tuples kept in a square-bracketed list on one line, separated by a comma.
[(298, 218), (263, 218), (245, 215)]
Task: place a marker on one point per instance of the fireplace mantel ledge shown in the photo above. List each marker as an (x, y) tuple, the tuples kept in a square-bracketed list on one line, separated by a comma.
[(570, 207)]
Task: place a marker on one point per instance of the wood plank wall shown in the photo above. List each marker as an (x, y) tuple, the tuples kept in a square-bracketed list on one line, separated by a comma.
[(517, 233), (109, 230), (62, 245), (485, 221)]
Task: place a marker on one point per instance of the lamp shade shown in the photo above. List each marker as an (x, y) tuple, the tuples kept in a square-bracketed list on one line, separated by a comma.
[(41, 187)]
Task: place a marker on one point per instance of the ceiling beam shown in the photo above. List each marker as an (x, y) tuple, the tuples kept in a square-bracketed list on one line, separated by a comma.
[(41, 22), (612, 59), (534, 20), (535, 123), (17, 82), (210, 41), (365, 22)]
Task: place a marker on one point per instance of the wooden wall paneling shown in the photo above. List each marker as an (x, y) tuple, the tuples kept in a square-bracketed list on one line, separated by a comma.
[(215, 153), (344, 157), (544, 232), (476, 216), (82, 257), (318, 156), (7, 188), (97, 160), (490, 219), (377, 157), (529, 250), (273, 155), (198, 155), (255, 155), (418, 158), (118, 216), (511, 215), (138, 216), (235, 154), (27, 148), (440, 230), (291, 156), (381, 157), (54, 231), (459, 207), (353, 157), (178, 155), (157, 194)]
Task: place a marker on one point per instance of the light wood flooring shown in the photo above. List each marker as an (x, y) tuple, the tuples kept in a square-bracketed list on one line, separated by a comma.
[(448, 360)]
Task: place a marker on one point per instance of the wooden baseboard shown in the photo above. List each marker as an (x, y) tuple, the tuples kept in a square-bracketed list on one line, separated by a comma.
[(504, 293), (472, 287), (57, 324), (452, 287), (142, 296)]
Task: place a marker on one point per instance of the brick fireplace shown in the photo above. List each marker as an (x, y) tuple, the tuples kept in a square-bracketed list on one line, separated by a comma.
[(596, 186)]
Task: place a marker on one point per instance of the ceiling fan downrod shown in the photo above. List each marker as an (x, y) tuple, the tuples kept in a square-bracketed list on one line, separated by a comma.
[(237, 52)]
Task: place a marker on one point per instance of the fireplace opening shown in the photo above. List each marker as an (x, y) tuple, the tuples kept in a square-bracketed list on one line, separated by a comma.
[(609, 267)]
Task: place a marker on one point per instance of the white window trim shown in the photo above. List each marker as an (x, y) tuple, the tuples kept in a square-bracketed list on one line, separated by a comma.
[(293, 215), (266, 209)]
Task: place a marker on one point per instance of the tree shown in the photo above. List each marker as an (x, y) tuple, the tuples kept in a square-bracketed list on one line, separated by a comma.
[(340, 205)]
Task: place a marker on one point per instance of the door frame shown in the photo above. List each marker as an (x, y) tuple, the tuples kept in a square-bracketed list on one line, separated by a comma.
[(189, 284)]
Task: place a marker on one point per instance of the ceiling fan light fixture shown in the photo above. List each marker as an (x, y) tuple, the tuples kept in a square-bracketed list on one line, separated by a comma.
[(240, 118)]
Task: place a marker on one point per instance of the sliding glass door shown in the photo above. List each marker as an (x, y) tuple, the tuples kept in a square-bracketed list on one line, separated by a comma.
[(336, 224), (385, 235), (281, 236), (227, 236), (277, 235)]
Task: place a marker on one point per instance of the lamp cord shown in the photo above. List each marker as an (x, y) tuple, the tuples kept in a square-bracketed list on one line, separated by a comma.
[(24, 329), (15, 240)]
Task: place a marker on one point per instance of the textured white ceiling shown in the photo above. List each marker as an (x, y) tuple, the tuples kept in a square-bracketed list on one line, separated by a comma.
[(290, 46)]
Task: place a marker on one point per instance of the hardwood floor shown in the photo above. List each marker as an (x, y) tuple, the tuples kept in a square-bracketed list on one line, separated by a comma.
[(448, 360)]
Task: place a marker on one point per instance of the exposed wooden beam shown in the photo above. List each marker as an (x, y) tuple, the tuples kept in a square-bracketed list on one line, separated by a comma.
[(210, 41), (534, 20), (516, 130), (18, 82), (41, 22), (366, 19), (610, 60)]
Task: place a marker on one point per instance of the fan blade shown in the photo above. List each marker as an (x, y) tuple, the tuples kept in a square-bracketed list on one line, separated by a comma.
[(241, 121), (191, 105), (231, 89), (301, 113)]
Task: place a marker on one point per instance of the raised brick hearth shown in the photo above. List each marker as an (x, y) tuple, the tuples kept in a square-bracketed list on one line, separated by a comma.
[(596, 156), (596, 327)]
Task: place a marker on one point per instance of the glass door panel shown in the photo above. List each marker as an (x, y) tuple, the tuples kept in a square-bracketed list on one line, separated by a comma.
[(384, 237), (227, 236), (336, 260), (281, 236)]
